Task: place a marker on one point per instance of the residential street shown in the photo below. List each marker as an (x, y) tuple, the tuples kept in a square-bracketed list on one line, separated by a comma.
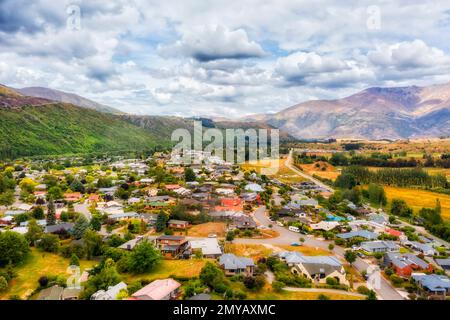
[(286, 237)]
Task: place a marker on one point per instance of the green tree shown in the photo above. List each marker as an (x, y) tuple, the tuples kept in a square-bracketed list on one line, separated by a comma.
[(211, 274), (96, 223), (377, 196), (48, 243), (51, 213), (350, 256), (161, 221), (106, 277), (7, 198), (345, 181), (400, 208), (80, 227), (143, 258), (55, 192), (13, 248), (189, 175), (34, 231), (230, 236), (74, 261), (38, 213), (93, 243), (3, 284)]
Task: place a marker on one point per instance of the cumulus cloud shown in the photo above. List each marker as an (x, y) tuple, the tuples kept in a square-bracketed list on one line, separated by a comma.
[(215, 43)]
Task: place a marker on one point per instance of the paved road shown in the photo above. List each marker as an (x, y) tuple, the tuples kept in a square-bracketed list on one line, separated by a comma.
[(286, 237)]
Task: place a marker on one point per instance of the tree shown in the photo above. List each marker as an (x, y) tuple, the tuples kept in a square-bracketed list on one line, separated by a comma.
[(377, 196), (38, 213), (34, 231), (7, 198), (55, 192), (74, 261), (13, 248), (331, 247), (80, 227), (96, 223), (211, 274), (189, 175), (27, 185), (143, 258), (400, 208), (3, 284), (345, 181), (48, 243), (51, 213), (230, 236), (350, 256), (106, 277), (93, 243), (161, 221)]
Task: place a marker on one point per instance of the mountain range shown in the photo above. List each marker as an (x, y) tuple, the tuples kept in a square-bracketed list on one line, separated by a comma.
[(42, 121), (375, 113)]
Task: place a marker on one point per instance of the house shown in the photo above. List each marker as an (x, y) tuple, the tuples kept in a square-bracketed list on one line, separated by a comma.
[(129, 245), (324, 225), (244, 223), (51, 293), (378, 218), (209, 247), (236, 265), (149, 218), (178, 224), (405, 264), (173, 246), (232, 204), (394, 233), (426, 249), (319, 268), (360, 234), (379, 246), (94, 198), (72, 197), (24, 207), (111, 293), (165, 289), (6, 220), (250, 197), (58, 228), (291, 257), (433, 283), (444, 263), (172, 186), (123, 216), (253, 187), (71, 293)]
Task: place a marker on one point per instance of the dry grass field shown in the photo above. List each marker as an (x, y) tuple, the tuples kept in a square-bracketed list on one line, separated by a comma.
[(254, 251), (283, 173), (418, 199), (321, 169), (307, 251), (204, 229)]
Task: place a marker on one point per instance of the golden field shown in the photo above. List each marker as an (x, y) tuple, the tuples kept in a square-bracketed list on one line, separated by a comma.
[(418, 199), (283, 173)]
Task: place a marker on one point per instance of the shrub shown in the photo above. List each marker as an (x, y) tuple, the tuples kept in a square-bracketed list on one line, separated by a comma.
[(331, 281), (3, 284), (323, 297), (278, 286), (43, 281), (363, 290)]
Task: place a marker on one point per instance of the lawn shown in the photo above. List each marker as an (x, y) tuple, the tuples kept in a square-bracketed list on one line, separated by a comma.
[(36, 265), (291, 295), (167, 268), (283, 173), (204, 229), (418, 199)]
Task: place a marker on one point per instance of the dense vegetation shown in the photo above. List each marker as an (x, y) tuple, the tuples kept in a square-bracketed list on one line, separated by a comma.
[(65, 129)]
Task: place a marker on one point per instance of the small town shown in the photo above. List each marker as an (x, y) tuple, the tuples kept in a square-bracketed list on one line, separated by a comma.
[(114, 228)]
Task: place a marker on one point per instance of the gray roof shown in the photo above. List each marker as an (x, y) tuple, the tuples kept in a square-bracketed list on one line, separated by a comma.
[(391, 245), (201, 296), (124, 215), (360, 233), (403, 260), (443, 262), (231, 262), (422, 246), (57, 227), (432, 282)]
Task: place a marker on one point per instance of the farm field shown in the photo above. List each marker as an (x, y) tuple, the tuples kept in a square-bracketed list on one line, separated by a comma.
[(418, 199), (36, 265), (254, 251), (283, 174)]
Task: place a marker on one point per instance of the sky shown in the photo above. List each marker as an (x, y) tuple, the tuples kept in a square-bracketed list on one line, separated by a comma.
[(221, 58)]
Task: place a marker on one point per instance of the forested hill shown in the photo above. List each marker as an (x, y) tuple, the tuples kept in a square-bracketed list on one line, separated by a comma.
[(57, 128)]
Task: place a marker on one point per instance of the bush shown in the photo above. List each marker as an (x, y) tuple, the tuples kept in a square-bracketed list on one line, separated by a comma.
[(323, 297), (48, 243), (396, 280), (3, 284), (363, 290), (278, 286), (43, 281), (13, 248), (331, 281)]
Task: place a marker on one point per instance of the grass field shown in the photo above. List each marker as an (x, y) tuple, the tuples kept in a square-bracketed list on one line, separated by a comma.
[(283, 173), (36, 265), (204, 229), (418, 199), (168, 268), (290, 295)]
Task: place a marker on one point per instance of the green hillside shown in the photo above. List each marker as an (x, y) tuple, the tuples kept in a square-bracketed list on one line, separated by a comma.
[(63, 129)]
